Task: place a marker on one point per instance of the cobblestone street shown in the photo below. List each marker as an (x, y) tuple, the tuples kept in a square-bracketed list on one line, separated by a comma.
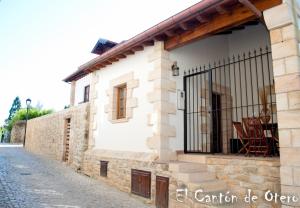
[(30, 181)]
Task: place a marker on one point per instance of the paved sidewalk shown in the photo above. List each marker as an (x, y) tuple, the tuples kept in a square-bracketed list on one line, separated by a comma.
[(30, 181)]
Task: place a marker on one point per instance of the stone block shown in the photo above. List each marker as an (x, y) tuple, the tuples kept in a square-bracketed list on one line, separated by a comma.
[(282, 101), (285, 139), (285, 49), (287, 83), (132, 102), (133, 83), (286, 174), (276, 36), (288, 119), (296, 176), (295, 137), (294, 99), (289, 32), (292, 64), (292, 191), (279, 67), (290, 156), (278, 16)]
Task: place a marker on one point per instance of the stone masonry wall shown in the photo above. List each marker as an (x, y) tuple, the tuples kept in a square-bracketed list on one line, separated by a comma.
[(17, 132), (241, 174), (119, 168), (257, 174), (45, 135), (283, 23)]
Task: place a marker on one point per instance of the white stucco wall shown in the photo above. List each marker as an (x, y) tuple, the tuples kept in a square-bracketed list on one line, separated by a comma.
[(207, 51), (79, 88), (131, 135)]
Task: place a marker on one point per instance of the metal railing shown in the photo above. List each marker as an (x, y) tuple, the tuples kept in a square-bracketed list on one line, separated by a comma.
[(226, 92)]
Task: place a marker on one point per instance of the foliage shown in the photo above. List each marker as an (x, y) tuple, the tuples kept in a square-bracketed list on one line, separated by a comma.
[(2, 130), (21, 115), (16, 105)]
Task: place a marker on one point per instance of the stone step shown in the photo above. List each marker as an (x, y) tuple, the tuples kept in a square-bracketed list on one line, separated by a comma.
[(186, 167), (192, 158), (195, 177), (208, 186)]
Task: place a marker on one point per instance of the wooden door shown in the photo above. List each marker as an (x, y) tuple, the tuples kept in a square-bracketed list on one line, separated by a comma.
[(103, 168), (141, 183), (162, 192), (67, 140)]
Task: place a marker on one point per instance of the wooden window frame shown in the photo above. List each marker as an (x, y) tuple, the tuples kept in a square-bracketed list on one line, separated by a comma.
[(121, 114), (86, 94)]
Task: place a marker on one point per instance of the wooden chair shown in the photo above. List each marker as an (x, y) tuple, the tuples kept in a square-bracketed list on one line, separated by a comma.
[(242, 136), (258, 143)]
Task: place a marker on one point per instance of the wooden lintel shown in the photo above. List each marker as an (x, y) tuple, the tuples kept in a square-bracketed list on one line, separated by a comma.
[(219, 23), (138, 48)]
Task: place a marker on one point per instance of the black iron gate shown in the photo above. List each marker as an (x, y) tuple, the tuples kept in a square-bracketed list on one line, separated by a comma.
[(220, 94)]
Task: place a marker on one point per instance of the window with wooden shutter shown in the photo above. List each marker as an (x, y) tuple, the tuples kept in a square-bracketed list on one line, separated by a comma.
[(121, 101), (86, 96), (141, 183), (103, 168)]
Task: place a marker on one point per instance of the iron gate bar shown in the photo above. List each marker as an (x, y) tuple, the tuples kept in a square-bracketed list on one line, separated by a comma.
[(198, 136), (268, 64)]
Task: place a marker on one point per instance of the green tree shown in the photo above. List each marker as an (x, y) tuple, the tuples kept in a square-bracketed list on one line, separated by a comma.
[(21, 115), (16, 105)]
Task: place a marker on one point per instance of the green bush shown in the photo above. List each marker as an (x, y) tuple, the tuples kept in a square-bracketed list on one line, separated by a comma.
[(21, 115)]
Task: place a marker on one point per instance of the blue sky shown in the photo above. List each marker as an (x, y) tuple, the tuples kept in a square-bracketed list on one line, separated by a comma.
[(43, 41)]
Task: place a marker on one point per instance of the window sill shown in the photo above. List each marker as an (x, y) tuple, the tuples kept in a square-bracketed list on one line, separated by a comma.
[(121, 120), (83, 102)]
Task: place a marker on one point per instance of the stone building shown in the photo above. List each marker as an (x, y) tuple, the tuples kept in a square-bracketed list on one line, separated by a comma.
[(176, 109)]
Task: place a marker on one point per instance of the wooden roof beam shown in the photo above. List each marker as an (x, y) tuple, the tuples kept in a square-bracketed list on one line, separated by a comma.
[(130, 52), (120, 56), (148, 43), (185, 26), (169, 33), (252, 7), (107, 62), (138, 48), (202, 19), (221, 9), (221, 22), (113, 59), (160, 38)]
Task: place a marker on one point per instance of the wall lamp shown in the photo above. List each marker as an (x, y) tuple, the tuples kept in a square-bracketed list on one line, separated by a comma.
[(175, 69)]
